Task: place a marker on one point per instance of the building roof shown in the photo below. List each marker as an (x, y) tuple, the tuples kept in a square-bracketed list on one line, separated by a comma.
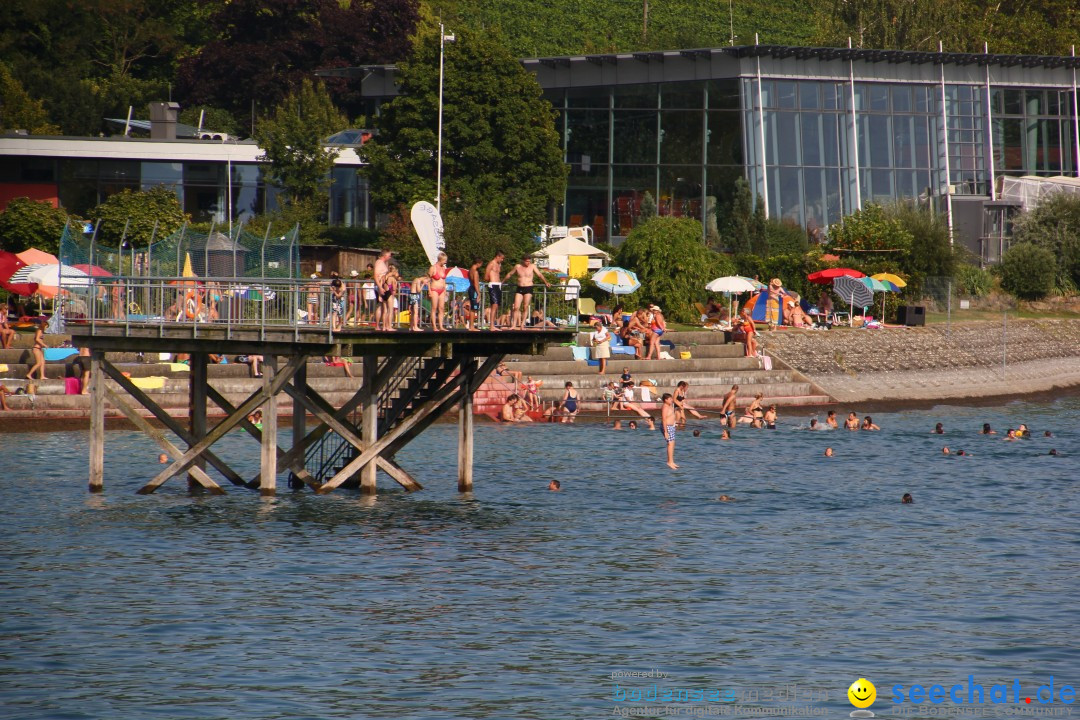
[(570, 246), (144, 149)]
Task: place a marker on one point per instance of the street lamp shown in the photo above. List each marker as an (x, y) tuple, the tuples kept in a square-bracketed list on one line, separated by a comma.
[(443, 39)]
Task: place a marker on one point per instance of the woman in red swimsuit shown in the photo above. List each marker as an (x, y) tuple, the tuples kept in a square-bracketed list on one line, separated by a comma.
[(437, 292)]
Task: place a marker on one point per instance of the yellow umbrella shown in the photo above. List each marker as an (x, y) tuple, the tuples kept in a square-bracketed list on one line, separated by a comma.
[(889, 277), (188, 271)]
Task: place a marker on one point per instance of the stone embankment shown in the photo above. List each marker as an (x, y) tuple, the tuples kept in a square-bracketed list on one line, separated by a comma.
[(963, 360)]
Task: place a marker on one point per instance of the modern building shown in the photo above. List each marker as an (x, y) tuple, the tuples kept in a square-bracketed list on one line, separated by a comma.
[(818, 132), (214, 179)]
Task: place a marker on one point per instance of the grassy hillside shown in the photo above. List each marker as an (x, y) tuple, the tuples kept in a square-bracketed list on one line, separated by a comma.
[(565, 27)]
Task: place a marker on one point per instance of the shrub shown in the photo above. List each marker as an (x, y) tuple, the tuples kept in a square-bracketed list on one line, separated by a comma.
[(1054, 224), (672, 263), (973, 281), (1028, 271), (27, 223)]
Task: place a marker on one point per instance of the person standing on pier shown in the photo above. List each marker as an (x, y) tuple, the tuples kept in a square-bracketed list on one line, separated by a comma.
[(525, 271), (493, 277), (472, 310), (437, 293), (384, 310)]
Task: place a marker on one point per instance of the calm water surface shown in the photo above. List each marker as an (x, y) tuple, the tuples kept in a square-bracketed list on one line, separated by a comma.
[(521, 603)]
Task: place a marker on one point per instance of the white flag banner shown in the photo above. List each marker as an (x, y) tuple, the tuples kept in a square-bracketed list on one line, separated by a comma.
[(429, 226)]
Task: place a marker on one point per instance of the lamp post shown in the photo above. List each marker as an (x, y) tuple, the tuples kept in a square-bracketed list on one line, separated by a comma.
[(443, 39)]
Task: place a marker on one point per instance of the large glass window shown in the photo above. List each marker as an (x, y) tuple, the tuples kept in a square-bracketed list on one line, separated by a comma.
[(1032, 132), (681, 136), (680, 191), (629, 185), (587, 136), (635, 136)]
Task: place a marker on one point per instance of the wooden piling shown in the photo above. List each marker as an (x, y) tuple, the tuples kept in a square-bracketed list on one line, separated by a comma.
[(369, 421), (268, 462), (465, 430), (197, 410), (97, 422)]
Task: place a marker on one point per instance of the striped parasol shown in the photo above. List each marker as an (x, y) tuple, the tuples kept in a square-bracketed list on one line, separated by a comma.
[(616, 280)]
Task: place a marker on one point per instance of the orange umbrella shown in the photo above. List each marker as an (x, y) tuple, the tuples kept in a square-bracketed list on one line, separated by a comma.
[(33, 256)]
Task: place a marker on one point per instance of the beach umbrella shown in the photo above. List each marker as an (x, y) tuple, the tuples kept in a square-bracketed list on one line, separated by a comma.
[(47, 276), (853, 291), (891, 278), (10, 263), (758, 285), (826, 276), (33, 256), (457, 279), (616, 280), (731, 284), (93, 270)]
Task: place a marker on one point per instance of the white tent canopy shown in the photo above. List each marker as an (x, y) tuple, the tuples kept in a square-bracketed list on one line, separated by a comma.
[(1029, 190), (556, 256)]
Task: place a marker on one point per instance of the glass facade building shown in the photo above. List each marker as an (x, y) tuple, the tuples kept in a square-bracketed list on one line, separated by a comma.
[(817, 132)]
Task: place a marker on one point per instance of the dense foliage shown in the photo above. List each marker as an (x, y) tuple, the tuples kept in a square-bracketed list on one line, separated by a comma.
[(500, 152), (27, 224), (136, 213), (1055, 225), (672, 263), (292, 142), (1027, 271)]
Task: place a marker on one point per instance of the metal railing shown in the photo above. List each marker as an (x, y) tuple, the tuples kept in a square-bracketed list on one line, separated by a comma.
[(294, 303)]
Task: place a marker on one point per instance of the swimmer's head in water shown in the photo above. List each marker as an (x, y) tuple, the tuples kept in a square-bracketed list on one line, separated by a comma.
[(725, 435), (945, 450), (1053, 452), (617, 425), (939, 429), (697, 433), (633, 425), (726, 498), (1048, 434), (986, 428), (828, 452), (163, 458), (554, 486), (907, 499)]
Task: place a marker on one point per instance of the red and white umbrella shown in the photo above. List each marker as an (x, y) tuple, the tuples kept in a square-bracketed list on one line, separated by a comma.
[(50, 278)]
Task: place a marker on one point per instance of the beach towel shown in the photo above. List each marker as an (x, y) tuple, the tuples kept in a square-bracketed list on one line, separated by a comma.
[(4, 367), (54, 354), (179, 367), (154, 382), (72, 386), (580, 353)]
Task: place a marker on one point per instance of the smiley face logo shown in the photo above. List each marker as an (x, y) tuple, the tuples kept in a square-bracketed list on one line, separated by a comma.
[(862, 693)]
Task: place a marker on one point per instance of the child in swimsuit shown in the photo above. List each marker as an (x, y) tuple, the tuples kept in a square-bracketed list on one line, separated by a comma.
[(416, 287)]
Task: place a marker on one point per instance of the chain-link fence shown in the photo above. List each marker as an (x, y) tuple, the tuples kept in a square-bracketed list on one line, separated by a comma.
[(975, 326), (187, 252)]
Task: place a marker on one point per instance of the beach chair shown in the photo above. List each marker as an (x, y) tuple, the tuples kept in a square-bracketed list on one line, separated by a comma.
[(586, 308), (706, 320)]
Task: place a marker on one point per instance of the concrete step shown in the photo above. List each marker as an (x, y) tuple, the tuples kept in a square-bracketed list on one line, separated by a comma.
[(746, 379), (699, 393), (643, 368), (699, 350)]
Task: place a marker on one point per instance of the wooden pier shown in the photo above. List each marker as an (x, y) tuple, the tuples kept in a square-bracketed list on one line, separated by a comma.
[(410, 380)]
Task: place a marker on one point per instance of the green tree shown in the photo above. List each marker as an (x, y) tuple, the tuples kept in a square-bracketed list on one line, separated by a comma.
[(759, 229), (292, 142), (870, 230), (1054, 224), (142, 209), (20, 111), (785, 237), (467, 237), (672, 263), (648, 207), (930, 253), (1028, 271), (741, 219), (29, 224), (214, 119), (500, 151)]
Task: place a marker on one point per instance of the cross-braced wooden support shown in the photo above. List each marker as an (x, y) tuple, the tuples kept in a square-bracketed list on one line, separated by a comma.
[(410, 380)]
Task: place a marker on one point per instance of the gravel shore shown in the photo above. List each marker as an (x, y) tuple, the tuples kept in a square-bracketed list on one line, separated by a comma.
[(935, 363)]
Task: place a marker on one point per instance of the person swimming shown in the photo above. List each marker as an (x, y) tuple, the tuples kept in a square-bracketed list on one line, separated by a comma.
[(939, 429), (617, 425), (813, 424), (1023, 431), (725, 435), (828, 452), (1053, 452), (632, 425), (945, 450), (554, 486), (868, 424), (852, 422), (697, 433), (987, 430), (907, 499), (726, 498), (830, 420)]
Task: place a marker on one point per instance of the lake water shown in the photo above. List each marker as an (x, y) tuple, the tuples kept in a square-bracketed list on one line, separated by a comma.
[(522, 603)]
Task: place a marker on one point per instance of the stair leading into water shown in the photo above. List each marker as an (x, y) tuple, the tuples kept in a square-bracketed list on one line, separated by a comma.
[(713, 367)]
